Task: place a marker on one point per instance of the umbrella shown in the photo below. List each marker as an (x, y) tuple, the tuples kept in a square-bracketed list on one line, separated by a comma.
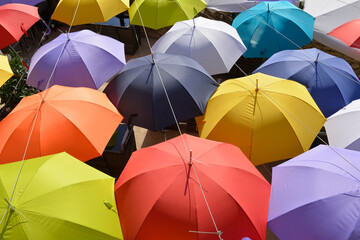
[(237, 5), (28, 2), (269, 118), (88, 60), (342, 127), (330, 15), (270, 27), (88, 11), (15, 20), (158, 195), (315, 196), (79, 121), (330, 80), (157, 14), (214, 44), (139, 95), (349, 33), (57, 197), (5, 70)]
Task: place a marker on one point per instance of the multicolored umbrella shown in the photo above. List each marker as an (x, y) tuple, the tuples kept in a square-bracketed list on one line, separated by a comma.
[(157, 14), (87, 59), (138, 91), (270, 27), (315, 196), (214, 44), (57, 197), (79, 121), (5, 70), (77, 12), (15, 20), (330, 80), (159, 195), (349, 33), (269, 118)]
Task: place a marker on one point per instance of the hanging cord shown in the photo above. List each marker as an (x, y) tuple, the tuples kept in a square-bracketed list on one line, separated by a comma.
[(36, 116), (176, 121)]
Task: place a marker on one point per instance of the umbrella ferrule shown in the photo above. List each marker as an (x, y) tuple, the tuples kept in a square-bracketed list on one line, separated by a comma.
[(190, 163), (317, 57)]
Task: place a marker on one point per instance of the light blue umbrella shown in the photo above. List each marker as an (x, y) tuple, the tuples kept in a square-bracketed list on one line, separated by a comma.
[(270, 27)]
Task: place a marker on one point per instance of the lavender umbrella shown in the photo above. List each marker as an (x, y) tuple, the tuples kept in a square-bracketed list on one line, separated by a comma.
[(88, 60), (316, 196), (28, 2)]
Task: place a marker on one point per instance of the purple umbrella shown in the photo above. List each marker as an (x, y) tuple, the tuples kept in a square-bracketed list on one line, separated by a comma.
[(316, 196), (88, 60), (28, 2)]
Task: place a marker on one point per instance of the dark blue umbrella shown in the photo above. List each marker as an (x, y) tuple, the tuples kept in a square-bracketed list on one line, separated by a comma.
[(330, 80), (139, 95), (270, 27)]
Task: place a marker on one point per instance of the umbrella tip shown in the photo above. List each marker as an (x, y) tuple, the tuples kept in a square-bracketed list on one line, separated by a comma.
[(317, 57), (190, 163)]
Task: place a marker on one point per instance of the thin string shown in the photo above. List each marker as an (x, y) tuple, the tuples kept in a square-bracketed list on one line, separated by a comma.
[(176, 121), (36, 116)]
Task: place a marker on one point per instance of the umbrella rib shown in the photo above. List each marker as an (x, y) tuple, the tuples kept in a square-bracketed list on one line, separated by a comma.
[(243, 171)]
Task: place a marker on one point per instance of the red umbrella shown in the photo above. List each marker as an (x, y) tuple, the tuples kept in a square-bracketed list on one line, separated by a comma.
[(15, 20), (159, 197), (349, 33)]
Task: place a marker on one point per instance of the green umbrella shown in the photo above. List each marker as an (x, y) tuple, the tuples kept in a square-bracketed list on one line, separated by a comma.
[(157, 14), (57, 197)]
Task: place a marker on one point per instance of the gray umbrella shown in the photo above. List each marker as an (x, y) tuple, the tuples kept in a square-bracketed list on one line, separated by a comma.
[(138, 93)]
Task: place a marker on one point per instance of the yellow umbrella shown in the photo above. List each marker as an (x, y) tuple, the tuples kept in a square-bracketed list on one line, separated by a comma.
[(157, 14), (269, 118), (88, 11), (5, 70)]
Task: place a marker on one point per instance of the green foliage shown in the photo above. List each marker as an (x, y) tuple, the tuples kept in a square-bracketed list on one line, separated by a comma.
[(14, 89)]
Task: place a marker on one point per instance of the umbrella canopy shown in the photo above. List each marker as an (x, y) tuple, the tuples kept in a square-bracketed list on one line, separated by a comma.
[(57, 197), (88, 60), (315, 196), (5, 70), (330, 15), (349, 33), (270, 27), (139, 94), (269, 118), (79, 121), (88, 11), (15, 20), (237, 5), (158, 195), (342, 127), (214, 44), (330, 80), (157, 14), (28, 2)]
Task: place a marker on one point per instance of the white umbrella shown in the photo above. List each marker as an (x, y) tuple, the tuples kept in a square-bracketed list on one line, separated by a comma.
[(329, 15), (236, 5), (214, 44), (343, 128)]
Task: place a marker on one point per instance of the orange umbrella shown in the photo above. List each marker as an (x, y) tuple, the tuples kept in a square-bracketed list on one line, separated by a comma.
[(79, 121)]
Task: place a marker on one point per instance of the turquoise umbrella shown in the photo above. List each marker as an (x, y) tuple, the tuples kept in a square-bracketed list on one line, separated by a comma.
[(270, 27)]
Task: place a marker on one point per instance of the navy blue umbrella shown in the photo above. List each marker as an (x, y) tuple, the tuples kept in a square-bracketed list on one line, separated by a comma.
[(330, 80), (138, 93)]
